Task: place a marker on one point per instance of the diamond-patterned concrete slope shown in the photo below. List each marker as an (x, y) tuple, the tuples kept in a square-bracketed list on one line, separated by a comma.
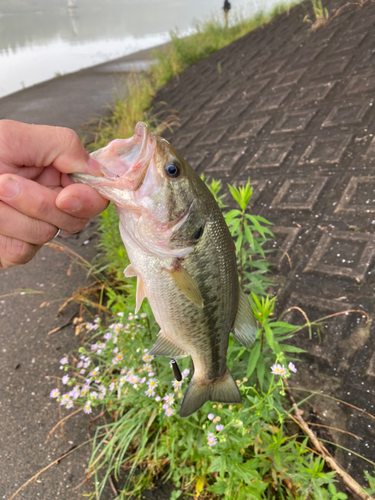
[(293, 109)]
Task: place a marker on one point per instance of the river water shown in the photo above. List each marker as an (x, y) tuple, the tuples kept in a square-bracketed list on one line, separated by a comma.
[(41, 39)]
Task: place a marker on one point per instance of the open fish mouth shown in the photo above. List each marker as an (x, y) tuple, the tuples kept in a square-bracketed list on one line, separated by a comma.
[(127, 159)]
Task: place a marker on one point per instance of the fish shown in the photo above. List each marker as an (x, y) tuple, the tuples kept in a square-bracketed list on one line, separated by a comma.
[(182, 253)]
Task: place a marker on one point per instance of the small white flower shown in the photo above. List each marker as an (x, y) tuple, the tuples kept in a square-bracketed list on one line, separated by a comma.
[(65, 398), (84, 390), (169, 399), (95, 372), (118, 327), (211, 439), (65, 379), (177, 384), (75, 393), (292, 367), (87, 408), (55, 393), (278, 370), (152, 383), (150, 392), (147, 358)]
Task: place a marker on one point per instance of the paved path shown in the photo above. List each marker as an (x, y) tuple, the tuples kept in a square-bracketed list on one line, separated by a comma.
[(294, 110)]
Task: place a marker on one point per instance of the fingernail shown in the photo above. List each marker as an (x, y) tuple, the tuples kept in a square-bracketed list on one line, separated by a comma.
[(94, 166), (9, 188), (70, 204)]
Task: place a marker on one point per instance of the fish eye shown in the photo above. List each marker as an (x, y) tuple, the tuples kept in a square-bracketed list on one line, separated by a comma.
[(172, 169)]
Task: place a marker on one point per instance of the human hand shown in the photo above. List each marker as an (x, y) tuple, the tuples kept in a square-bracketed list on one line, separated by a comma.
[(37, 198)]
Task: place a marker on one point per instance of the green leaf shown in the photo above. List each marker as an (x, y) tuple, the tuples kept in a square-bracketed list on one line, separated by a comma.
[(256, 224), (249, 235), (231, 214), (253, 359), (291, 348), (269, 336), (260, 371), (341, 496), (220, 487)]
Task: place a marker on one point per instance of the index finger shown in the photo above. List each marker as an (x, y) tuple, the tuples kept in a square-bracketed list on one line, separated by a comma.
[(24, 145)]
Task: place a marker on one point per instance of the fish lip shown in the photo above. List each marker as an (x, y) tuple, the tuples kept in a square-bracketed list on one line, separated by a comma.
[(127, 159), (91, 180)]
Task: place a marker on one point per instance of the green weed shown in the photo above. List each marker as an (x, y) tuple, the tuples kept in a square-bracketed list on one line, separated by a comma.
[(321, 15)]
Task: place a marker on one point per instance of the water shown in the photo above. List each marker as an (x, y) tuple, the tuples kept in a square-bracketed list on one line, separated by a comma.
[(41, 39)]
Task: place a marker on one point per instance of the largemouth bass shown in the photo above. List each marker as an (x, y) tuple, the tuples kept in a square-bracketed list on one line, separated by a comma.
[(183, 256)]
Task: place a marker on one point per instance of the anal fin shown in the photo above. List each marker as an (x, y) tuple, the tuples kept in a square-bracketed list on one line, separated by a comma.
[(165, 347), (245, 328)]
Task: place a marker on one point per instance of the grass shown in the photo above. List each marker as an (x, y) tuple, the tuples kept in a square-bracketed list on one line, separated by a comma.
[(321, 15)]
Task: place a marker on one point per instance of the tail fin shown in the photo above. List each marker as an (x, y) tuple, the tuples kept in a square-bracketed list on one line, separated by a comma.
[(221, 390)]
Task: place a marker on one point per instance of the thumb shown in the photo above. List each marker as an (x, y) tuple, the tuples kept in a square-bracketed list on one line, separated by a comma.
[(28, 145)]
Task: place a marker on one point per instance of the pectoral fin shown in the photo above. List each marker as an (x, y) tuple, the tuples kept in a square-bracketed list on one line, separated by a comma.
[(129, 271), (141, 294), (186, 284), (165, 347), (244, 328)]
